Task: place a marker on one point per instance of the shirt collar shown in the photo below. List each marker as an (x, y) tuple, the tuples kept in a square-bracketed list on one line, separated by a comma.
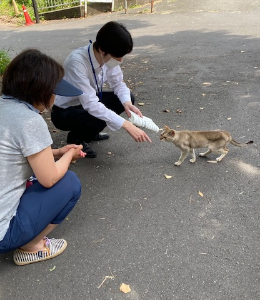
[(95, 63), (31, 107)]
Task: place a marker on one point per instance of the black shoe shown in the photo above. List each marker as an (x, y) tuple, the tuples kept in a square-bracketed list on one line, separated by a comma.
[(86, 149), (101, 136)]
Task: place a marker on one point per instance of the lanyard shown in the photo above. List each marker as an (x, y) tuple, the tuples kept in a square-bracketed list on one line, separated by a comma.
[(94, 73)]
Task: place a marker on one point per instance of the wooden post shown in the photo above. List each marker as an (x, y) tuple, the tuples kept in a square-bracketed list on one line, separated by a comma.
[(125, 6), (152, 6)]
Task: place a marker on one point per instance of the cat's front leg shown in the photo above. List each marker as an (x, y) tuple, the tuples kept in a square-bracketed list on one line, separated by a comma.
[(182, 157), (205, 153), (193, 156)]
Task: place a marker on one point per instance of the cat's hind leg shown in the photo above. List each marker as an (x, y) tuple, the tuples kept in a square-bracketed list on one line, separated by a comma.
[(193, 156), (223, 152), (184, 154)]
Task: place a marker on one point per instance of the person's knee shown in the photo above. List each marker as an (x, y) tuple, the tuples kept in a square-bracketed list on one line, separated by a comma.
[(55, 118), (72, 182)]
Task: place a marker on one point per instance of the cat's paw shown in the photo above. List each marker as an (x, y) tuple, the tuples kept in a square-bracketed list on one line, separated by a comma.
[(219, 158), (192, 160), (177, 163)]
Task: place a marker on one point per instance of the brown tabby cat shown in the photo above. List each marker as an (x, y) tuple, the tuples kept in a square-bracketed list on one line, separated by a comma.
[(215, 140)]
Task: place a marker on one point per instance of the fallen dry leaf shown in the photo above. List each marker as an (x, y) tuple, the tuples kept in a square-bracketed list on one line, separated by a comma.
[(212, 161), (229, 118), (140, 104), (109, 153), (178, 111), (166, 110), (167, 176), (125, 288), (200, 193)]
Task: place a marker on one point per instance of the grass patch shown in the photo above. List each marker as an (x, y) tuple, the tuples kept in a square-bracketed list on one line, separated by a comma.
[(135, 6)]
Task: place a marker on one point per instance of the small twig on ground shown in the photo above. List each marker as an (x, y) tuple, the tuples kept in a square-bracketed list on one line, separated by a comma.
[(106, 277)]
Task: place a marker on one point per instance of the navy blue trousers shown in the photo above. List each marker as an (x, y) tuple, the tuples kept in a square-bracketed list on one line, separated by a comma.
[(39, 207)]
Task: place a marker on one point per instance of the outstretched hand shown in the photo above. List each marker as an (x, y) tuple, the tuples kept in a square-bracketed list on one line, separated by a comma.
[(137, 134)]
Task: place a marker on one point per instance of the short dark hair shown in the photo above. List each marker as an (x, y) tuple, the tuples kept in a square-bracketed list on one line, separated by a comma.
[(32, 77), (113, 38)]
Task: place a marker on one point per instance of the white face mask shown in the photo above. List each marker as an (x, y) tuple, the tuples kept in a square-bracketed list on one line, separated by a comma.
[(112, 62)]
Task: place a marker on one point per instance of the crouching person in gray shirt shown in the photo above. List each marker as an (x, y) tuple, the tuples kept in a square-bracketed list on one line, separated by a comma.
[(30, 212)]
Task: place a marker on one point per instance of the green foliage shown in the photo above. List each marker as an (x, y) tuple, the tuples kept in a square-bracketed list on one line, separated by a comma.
[(4, 61), (5, 8), (7, 12), (24, 2)]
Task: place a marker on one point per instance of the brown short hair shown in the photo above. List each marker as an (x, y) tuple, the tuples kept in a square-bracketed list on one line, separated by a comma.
[(32, 77)]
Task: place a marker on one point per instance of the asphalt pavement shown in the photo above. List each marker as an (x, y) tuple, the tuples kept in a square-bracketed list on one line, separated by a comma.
[(195, 235)]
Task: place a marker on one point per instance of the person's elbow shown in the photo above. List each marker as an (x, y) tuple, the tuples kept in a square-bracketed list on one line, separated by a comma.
[(47, 182)]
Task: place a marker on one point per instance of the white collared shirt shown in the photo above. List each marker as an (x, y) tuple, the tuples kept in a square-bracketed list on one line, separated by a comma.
[(78, 71)]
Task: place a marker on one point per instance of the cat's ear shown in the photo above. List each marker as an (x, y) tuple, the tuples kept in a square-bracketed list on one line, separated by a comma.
[(172, 132), (166, 127)]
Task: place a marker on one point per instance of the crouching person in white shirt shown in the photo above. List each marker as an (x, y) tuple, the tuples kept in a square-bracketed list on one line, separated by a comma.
[(88, 68)]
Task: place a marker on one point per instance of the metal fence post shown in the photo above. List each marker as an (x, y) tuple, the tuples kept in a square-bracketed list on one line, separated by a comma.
[(35, 11)]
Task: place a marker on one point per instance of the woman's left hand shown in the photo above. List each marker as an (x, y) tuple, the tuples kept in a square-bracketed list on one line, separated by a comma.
[(63, 150), (129, 106)]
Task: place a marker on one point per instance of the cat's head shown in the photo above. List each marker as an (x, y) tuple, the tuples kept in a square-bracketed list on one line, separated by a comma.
[(167, 134)]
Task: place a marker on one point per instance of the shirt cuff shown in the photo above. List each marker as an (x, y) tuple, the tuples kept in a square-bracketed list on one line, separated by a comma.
[(125, 98), (117, 123)]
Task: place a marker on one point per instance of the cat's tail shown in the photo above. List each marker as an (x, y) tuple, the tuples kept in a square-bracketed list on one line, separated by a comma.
[(233, 142)]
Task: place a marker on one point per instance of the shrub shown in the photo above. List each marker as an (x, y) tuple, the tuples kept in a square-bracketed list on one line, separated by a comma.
[(24, 2), (4, 61)]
